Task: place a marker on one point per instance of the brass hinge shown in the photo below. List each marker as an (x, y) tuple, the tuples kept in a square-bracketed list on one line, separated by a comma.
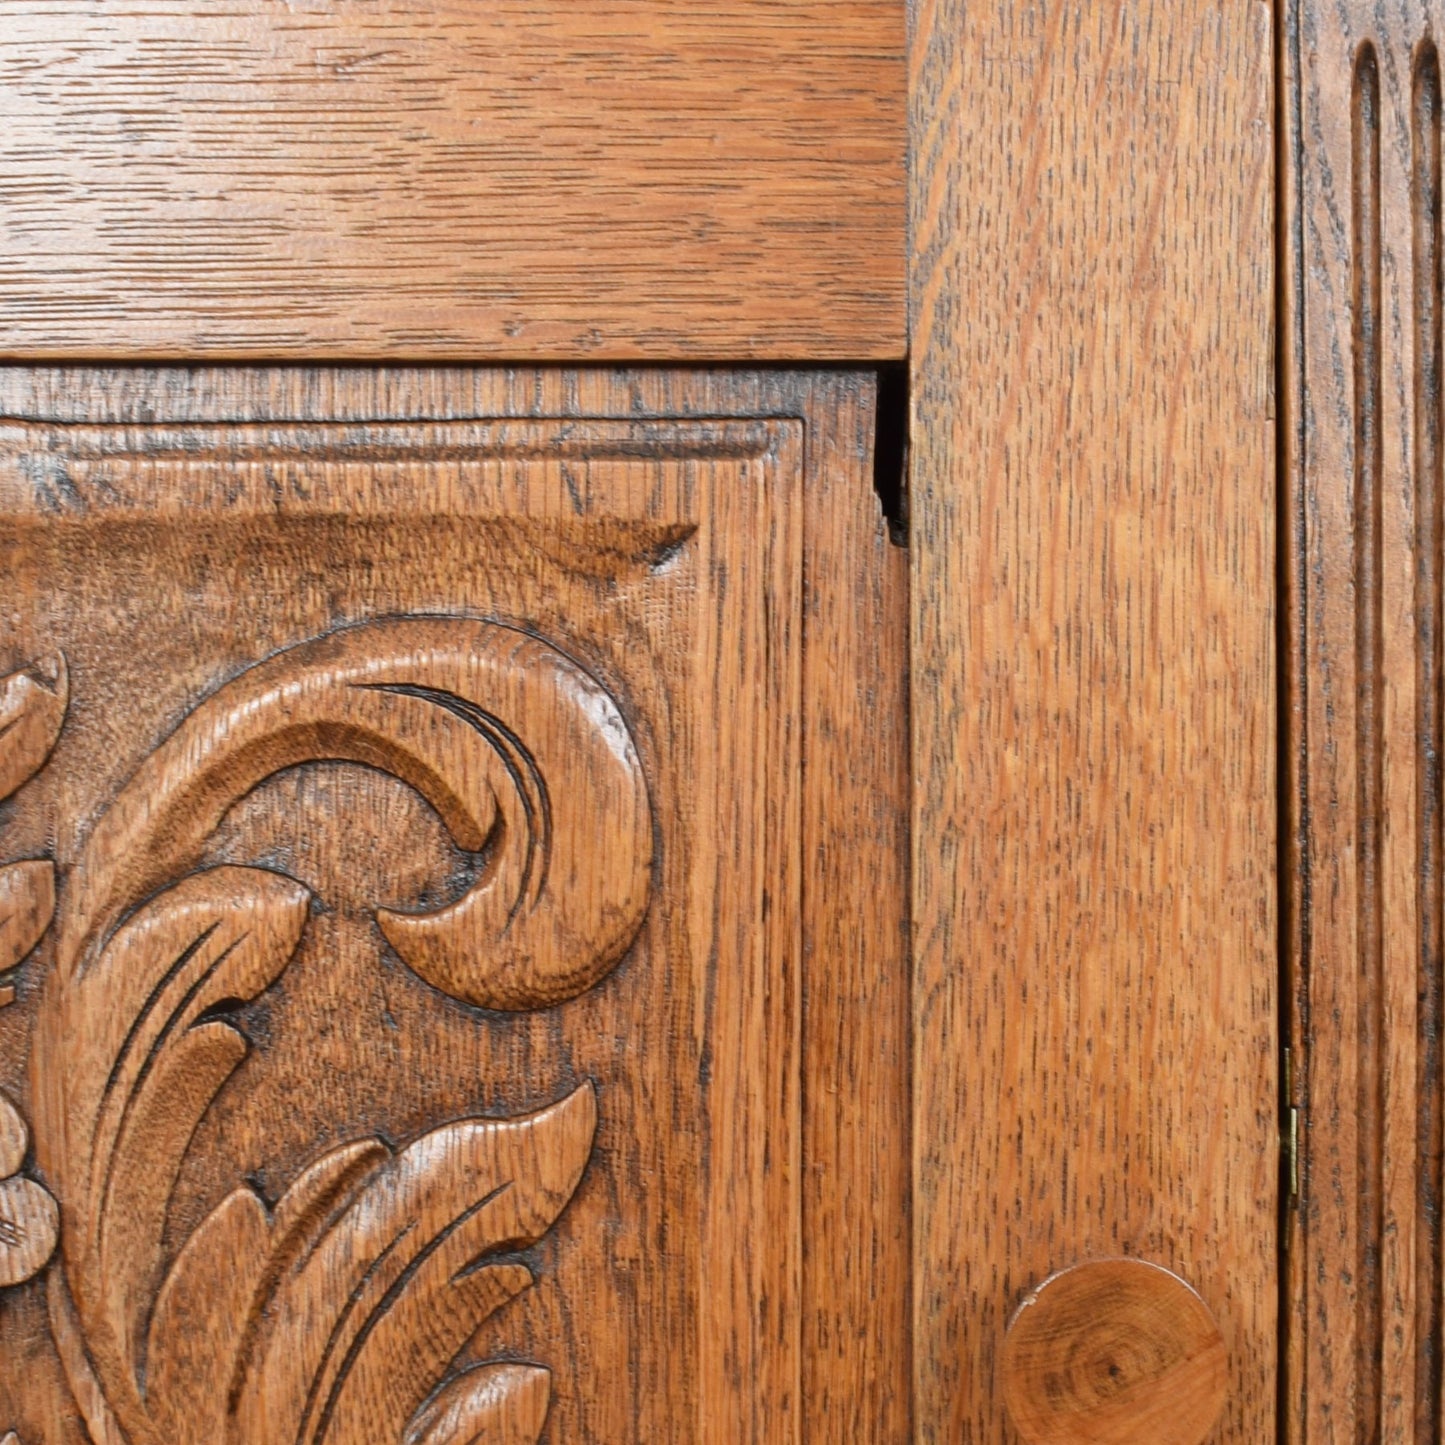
[(1291, 1148), (1290, 1132)]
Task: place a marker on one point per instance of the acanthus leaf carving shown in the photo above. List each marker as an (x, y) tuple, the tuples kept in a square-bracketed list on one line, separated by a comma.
[(153, 1059), (529, 775), (335, 1314), (403, 1270), (32, 709), (332, 1316)]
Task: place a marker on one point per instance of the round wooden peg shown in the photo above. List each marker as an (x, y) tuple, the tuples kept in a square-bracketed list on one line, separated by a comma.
[(1114, 1352)]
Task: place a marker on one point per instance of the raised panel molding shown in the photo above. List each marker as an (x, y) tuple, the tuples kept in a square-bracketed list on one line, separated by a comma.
[(411, 968)]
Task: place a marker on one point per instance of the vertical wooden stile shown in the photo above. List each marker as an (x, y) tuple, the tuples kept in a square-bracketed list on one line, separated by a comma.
[(1095, 972)]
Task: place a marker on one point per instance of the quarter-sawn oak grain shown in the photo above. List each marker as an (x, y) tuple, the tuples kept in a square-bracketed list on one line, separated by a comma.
[(1093, 680), (514, 179)]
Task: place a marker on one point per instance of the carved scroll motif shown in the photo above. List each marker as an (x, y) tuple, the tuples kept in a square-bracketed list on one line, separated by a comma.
[(334, 1313)]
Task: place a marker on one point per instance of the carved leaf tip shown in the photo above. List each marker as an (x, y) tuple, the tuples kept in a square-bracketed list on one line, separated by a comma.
[(502, 1404), (27, 905), (407, 1271), (29, 1218), (32, 708), (156, 1058), (14, 1138)]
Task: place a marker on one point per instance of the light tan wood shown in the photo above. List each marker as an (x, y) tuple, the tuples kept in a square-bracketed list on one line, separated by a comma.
[(277, 1131), (1093, 685), (1114, 1352), (1364, 426), (568, 180), (856, 1019)]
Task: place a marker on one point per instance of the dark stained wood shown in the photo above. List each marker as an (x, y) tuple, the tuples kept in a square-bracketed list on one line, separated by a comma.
[(605, 179), (1095, 973), (621, 613), (1365, 562), (1114, 1352)]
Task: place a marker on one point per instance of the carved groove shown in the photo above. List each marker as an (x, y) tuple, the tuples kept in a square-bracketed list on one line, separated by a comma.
[(380, 443), (1368, 467), (1425, 204)]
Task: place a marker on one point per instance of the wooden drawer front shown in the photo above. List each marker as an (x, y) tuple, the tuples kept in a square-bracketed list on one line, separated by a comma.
[(420, 1035)]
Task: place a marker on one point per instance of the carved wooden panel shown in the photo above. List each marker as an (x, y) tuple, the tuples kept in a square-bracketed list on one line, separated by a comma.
[(432, 992)]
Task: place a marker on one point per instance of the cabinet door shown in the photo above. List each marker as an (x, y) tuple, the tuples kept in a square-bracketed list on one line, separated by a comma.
[(451, 946)]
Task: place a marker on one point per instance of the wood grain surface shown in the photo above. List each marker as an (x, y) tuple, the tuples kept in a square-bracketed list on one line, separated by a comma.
[(1093, 680), (521, 179), (1363, 434), (338, 644), (1114, 1352)]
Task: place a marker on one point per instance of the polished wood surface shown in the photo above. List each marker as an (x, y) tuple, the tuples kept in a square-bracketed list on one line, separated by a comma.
[(1114, 1352), (521, 180), (1093, 689), (471, 926), (1365, 560)]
